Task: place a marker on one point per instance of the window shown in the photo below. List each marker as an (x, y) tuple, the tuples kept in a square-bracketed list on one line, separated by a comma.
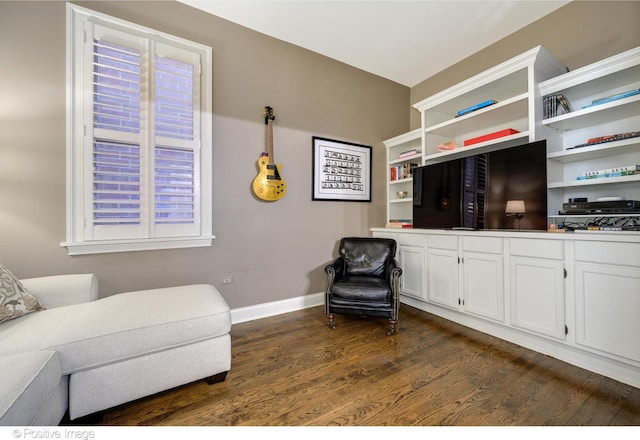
[(139, 137)]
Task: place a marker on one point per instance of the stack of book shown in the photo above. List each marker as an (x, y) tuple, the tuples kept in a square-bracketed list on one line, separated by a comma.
[(408, 153), (399, 224), (552, 105), (404, 171), (628, 170)]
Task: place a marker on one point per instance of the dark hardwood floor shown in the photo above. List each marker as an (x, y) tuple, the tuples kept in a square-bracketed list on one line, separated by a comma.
[(292, 370)]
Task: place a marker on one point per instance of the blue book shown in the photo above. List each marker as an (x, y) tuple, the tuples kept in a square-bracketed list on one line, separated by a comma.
[(612, 98), (476, 107)]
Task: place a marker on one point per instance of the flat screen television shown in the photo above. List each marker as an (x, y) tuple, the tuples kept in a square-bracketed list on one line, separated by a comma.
[(472, 192)]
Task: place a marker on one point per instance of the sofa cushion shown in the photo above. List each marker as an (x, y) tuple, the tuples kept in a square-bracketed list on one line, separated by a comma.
[(121, 326), (28, 381), (15, 301)]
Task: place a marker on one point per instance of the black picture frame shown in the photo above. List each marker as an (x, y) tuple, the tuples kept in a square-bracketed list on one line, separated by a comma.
[(341, 171)]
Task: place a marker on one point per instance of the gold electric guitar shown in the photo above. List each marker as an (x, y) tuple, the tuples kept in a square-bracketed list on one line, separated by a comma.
[(268, 184)]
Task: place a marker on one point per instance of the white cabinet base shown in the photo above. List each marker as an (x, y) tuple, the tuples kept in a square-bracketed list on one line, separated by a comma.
[(608, 367), (607, 294), (512, 285)]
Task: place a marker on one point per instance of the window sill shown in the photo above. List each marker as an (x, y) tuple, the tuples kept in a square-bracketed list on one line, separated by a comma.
[(104, 247)]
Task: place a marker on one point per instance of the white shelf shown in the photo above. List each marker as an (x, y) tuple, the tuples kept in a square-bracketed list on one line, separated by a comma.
[(406, 180), (607, 112), (596, 151), (593, 215), (617, 74), (477, 120), (475, 148), (405, 200), (592, 182), (401, 208), (417, 156), (595, 78)]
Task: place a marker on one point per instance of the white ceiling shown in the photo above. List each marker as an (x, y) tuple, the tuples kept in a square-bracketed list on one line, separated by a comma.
[(404, 41)]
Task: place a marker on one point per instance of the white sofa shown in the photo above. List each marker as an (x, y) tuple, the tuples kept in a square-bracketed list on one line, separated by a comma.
[(84, 355)]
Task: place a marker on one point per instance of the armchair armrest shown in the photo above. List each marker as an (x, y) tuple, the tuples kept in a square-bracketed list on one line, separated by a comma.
[(335, 270), (63, 290), (393, 271)]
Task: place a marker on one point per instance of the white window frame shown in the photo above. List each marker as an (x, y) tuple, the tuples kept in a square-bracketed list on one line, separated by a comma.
[(79, 122)]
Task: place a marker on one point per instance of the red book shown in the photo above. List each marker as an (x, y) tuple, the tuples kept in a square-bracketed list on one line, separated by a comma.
[(486, 137)]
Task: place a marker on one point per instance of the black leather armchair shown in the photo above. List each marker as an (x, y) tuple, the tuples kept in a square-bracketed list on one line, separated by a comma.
[(364, 280)]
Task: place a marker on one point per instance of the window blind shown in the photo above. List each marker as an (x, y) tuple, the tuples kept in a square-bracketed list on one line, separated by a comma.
[(117, 183), (139, 117)]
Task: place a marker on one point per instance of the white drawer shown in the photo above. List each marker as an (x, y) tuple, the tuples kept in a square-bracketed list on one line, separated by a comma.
[(443, 242), (625, 254), (491, 245), (410, 239), (536, 248)]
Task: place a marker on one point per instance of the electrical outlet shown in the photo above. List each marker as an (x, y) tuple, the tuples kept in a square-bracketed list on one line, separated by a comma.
[(227, 280)]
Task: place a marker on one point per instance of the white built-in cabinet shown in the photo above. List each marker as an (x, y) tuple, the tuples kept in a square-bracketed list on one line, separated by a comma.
[(466, 273), (536, 290), (573, 296), (481, 264), (411, 260), (611, 76), (401, 208), (442, 270), (607, 286), (513, 84)]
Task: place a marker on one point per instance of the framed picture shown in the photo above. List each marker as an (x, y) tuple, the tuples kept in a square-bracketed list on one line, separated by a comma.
[(341, 171)]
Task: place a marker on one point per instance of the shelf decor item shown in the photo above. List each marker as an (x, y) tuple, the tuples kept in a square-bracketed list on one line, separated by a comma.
[(487, 137), (447, 146), (516, 209), (341, 170), (473, 108), (612, 98)]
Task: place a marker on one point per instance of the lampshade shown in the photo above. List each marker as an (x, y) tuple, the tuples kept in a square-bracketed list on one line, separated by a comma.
[(515, 207)]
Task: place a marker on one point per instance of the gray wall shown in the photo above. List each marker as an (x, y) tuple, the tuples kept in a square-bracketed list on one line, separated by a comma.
[(273, 250)]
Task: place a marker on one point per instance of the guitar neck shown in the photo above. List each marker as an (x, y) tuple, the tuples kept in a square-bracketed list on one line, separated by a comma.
[(270, 141)]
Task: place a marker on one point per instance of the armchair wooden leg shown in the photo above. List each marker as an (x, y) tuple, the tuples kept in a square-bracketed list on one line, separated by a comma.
[(332, 325), (392, 328)]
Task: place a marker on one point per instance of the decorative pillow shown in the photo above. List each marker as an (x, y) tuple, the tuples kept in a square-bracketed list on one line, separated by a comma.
[(15, 300)]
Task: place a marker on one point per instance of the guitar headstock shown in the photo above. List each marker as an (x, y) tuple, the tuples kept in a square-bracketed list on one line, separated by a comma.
[(268, 114)]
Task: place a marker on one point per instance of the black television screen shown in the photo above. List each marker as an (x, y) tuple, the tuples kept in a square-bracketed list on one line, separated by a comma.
[(472, 192)]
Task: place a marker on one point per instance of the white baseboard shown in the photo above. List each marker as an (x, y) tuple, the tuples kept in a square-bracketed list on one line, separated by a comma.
[(264, 310)]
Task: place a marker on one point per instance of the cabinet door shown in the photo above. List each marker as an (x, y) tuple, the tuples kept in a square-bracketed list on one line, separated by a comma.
[(483, 285), (411, 260), (442, 277), (537, 296), (608, 309)]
